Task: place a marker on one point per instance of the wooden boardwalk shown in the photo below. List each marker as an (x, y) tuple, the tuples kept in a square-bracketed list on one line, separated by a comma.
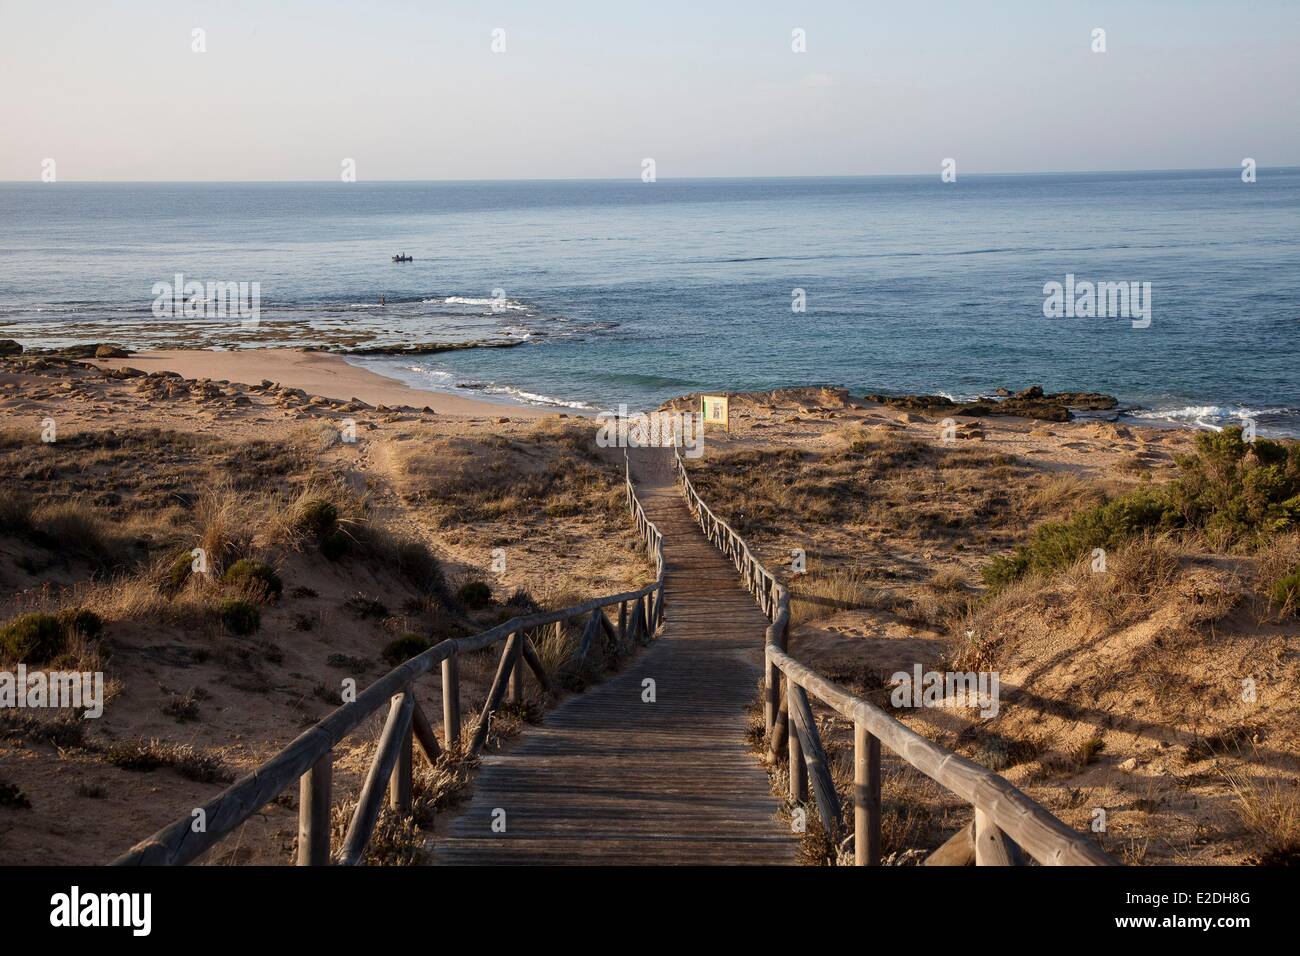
[(611, 779)]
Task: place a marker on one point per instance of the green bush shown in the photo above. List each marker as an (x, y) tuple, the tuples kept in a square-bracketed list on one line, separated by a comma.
[(418, 565), (1231, 489), (335, 545), (404, 648), (1286, 593), (1238, 490), (33, 638), (1058, 544), (178, 572), (81, 620), (474, 595), (318, 517), (239, 616), (257, 575)]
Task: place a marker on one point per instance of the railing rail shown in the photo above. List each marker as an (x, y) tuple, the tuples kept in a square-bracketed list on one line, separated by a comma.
[(1006, 820), (309, 758)]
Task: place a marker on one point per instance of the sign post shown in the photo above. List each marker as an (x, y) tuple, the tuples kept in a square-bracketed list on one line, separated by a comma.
[(714, 409)]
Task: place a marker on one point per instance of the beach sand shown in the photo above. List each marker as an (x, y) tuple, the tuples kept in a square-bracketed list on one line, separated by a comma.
[(317, 373)]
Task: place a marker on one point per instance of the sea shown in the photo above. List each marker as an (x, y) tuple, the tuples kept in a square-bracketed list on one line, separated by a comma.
[(631, 292)]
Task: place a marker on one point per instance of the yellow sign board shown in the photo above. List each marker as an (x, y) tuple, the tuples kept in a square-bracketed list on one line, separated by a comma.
[(715, 411)]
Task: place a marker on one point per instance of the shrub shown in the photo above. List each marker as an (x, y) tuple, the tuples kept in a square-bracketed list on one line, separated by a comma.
[(11, 796), (335, 545), (145, 756), (364, 607), (1286, 593), (239, 616), (317, 516), (1232, 489), (81, 621), (418, 565), (474, 595), (1058, 544), (404, 648), (1236, 489), (33, 637), (256, 576), (178, 572)]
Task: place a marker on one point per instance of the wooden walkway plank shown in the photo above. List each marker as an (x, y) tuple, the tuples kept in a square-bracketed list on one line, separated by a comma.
[(612, 779)]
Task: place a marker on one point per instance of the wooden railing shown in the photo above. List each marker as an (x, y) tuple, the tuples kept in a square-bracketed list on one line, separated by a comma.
[(309, 758), (1006, 821)]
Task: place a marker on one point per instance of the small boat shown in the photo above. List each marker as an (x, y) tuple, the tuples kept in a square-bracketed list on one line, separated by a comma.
[(402, 258)]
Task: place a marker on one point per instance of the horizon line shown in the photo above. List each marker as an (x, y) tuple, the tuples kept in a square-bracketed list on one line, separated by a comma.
[(637, 179)]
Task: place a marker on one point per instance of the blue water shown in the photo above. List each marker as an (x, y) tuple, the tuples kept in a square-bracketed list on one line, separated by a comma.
[(634, 292)]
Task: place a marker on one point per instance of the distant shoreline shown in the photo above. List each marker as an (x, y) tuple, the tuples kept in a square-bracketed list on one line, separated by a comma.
[(323, 373)]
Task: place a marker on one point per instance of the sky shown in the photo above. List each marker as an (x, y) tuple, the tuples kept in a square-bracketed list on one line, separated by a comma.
[(412, 89)]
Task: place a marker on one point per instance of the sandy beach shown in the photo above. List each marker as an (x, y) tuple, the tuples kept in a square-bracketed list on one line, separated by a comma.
[(317, 373)]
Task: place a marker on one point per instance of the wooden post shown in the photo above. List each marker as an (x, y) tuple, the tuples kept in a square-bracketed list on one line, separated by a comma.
[(451, 702), (957, 850), (992, 846), (494, 695), (866, 797), (622, 621), (314, 812), (534, 662), (814, 757), (589, 633), (425, 738), (633, 624), (371, 798), (776, 743), (798, 771), (516, 693), (399, 784), (772, 695)]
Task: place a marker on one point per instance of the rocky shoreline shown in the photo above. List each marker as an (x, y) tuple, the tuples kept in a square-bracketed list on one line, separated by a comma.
[(1032, 402)]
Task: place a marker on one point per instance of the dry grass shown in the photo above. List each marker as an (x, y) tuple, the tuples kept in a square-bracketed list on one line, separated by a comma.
[(820, 593), (148, 755), (396, 840), (1270, 812), (1135, 576), (553, 472)]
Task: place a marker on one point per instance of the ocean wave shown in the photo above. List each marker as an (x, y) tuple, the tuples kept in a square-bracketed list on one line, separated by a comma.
[(510, 304), (522, 395), (1214, 417)]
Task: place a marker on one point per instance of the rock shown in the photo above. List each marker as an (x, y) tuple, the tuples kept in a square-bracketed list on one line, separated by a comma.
[(506, 421), (1033, 391), (1002, 393), (1130, 764), (1087, 401), (10, 347), (110, 351)]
